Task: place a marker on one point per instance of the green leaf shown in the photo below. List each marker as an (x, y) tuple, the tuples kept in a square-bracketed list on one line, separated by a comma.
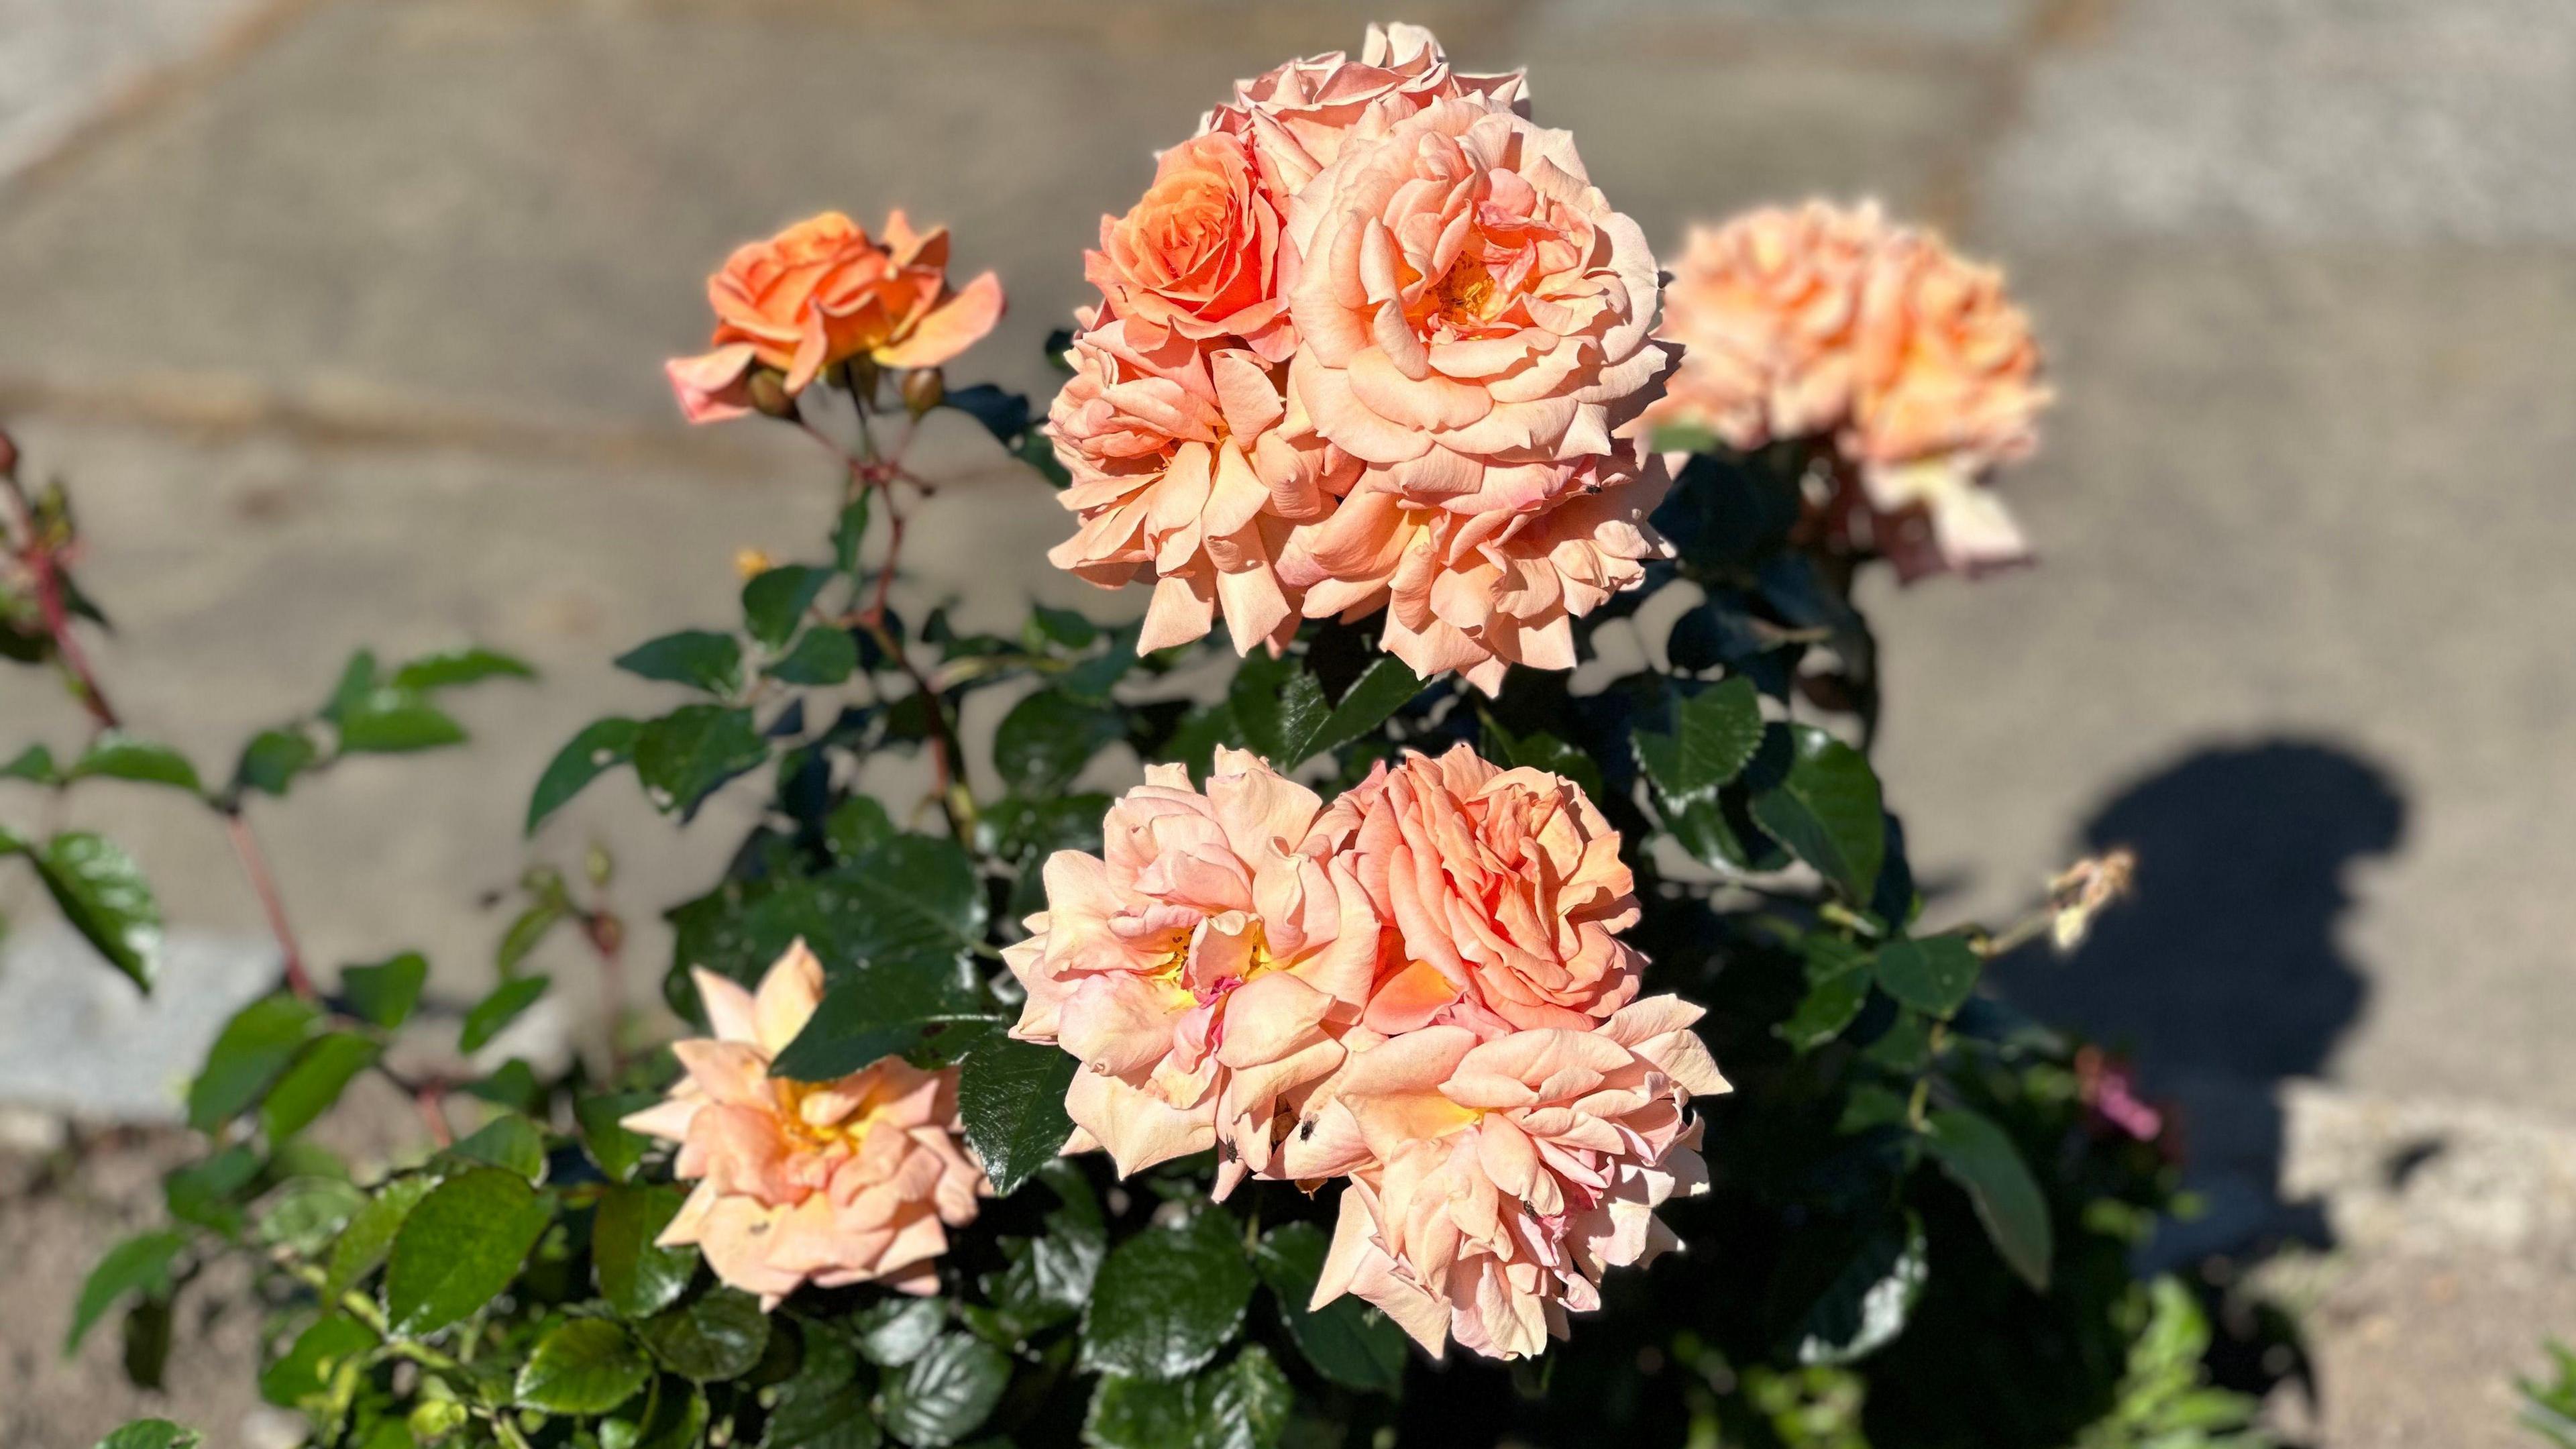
[(674, 1417), (145, 1350), (357, 681), (822, 1407), (1868, 1303), (509, 1142), (315, 1364), (151, 1434), (941, 1397), (1278, 708), (601, 746), (1383, 688), (393, 722), (116, 755), (685, 755), (895, 1331), (1167, 1299), (1826, 810), (877, 1012), (249, 1053), (774, 602), (272, 760), (526, 932), (1347, 1340), (453, 667), (306, 1213), (718, 1336), (1011, 1097), (611, 1145), (1244, 1405), (848, 532), (209, 1193), (1543, 751), (586, 1366), (637, 1278), (485, 1019), (460, 1247), (1837, 988), (1715, 733), (370, 1234), (825, 654), (102, 892), (385, 993), (138, 1265), (1976, 1155), (1048, 737), (34, 763), (697, 658), (1930, 973), (314, 1082)]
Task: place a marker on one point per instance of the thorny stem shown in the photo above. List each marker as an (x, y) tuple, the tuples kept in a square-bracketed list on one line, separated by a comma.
[(43, 563)]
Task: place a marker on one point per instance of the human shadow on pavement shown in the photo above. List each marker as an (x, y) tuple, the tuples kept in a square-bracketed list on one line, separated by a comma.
[(2223, 975)]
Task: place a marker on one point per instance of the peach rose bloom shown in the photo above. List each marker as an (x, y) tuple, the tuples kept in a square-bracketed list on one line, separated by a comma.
[(1202, 966), (1469, 308), (1495, 1181), (1199, 255), (850, 1181), (1505, 891), (1183, 472), (1478, 591), (1945, 389), (1296, 115), (1766, 309), (821, 293)]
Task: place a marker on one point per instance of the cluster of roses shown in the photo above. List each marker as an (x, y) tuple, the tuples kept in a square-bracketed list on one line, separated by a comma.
[(1419, 988), (1372, 341), (1833, 323)]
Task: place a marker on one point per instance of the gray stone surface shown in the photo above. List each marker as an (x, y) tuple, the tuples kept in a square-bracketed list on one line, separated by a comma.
[(2306, 120), (76, 1038), (65, 62)]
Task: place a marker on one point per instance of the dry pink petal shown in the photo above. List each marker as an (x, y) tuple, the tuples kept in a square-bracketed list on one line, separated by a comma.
[(850, 1181), (1202, 966)]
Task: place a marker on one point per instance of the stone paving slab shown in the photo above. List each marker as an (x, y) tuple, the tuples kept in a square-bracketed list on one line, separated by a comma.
[(2314, 497), (2310, 120), (65, 62), (508, 210)]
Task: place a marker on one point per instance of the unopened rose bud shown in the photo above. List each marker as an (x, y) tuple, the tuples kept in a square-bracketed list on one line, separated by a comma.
[(923, 388), (769, 394), (751, 563), (8, 454), (607, 933)]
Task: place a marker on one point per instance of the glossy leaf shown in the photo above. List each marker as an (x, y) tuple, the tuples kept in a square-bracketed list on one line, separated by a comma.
[(1825, 808), (824, 655), (369, 1236), (137, 1265), (1048, 737), (1011, 1096), (774, 602), (601, 746), (273, 758), (896, 1331), (1978, 1156), (252, 1050), (1277, 707), (485, 1019), (1929, 973), (943, 1395), (1837, 987), (152, 1434), (586, 1366), (1383, 688), (102, 893), (1870, 1300), (461, 1246), (1243, 1405), (34, 764), (637, 1278), (384, 994), (116, 755), (509, 1142), (700, 659), (323, 1357), (1715, 733), (1167, 1299), (394, 723), (611, 1145), (1347, 1340), (315, 1080), (450, 668), (685, 755), (717, 1336)]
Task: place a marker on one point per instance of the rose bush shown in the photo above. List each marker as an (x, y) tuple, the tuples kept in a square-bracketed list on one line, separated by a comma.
[(1385, 1014)]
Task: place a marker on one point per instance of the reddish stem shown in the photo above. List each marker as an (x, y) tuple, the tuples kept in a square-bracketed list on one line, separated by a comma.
[(430, 1098), (255, 867)]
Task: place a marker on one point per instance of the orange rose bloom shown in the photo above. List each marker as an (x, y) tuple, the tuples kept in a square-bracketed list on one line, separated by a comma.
[(1199, 254), (821, 293)]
